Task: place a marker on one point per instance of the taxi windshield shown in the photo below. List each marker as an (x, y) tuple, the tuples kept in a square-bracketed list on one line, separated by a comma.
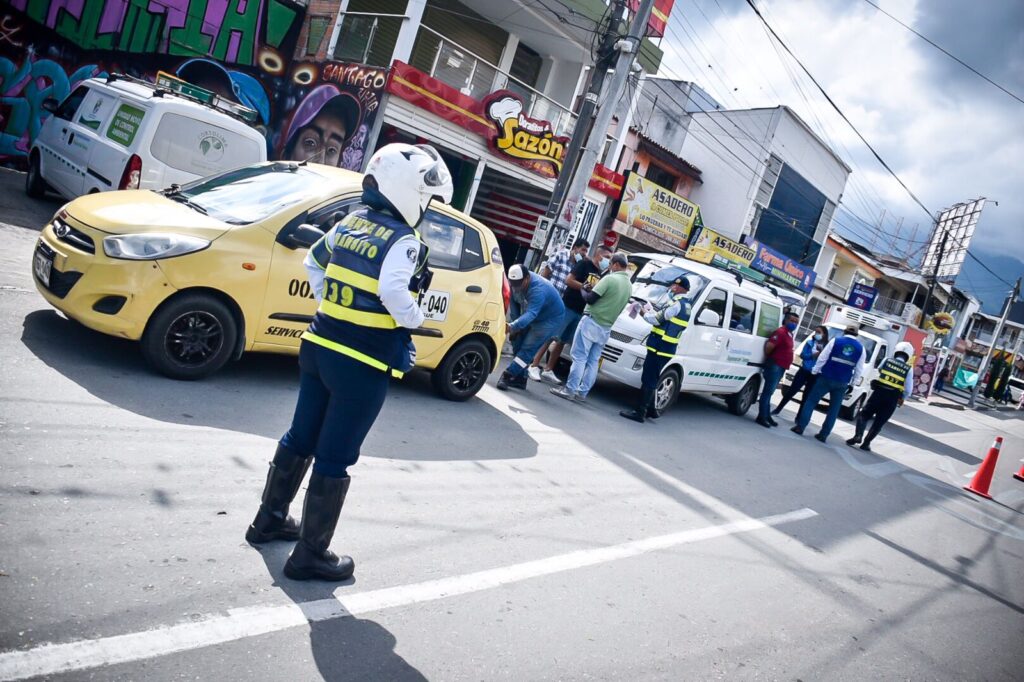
[(248, 195), (653, 280)]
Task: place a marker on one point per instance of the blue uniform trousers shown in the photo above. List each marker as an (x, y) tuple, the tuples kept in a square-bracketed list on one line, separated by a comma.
[(836, 391), (527, 342), (339, 399)]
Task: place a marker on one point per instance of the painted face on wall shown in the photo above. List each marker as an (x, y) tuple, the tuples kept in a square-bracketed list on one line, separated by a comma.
[(321, 140)]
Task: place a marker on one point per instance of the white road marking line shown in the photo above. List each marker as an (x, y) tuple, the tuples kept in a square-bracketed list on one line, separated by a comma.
[(51, 659)]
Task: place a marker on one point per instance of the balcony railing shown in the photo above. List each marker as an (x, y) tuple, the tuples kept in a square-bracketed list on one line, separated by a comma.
[(889, 306), (474, 76), (835, 288)]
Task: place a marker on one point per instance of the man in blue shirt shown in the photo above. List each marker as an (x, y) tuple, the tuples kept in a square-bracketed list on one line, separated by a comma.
[(537, 312), (839, 365)]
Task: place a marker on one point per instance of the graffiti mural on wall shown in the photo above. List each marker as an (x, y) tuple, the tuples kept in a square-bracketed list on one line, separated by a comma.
[(317, 111)]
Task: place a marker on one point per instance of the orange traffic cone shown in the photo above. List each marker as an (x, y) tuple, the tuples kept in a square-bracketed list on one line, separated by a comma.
[(983, 479), (1020, 474)]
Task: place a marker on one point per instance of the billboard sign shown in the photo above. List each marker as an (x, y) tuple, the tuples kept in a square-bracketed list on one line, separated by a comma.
[(653, 209), (957, 223), (862, 296)]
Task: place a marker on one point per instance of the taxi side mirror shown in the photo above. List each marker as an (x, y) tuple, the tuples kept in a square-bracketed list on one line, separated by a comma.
[(302, 236), (709, 318)]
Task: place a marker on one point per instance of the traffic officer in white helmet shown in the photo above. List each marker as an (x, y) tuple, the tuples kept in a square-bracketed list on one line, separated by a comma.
[(893, 385), (362, 272)]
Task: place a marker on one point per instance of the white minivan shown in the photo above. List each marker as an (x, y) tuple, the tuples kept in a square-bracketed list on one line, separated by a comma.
[(721, 350), (122, 133)]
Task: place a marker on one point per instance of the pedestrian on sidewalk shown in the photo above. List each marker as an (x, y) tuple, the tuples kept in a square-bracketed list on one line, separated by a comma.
[(669, 315), (888, 392), (356, 342), (586, 271), (840, 364), (537, 313), (804, 379), (778, 351), (605, 301), (940, 382)]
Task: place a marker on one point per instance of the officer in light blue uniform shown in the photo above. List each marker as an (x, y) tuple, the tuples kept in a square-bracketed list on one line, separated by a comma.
[(839, 365), (366, 273)]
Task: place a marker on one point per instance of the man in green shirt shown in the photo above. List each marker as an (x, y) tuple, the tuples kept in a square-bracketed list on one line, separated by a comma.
[(605, 301)]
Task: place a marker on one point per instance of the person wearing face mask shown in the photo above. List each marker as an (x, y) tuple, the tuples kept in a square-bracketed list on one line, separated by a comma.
[(809, 353), (557, 270), (586, 271), (537, 312), (669, 315), (778, 350)]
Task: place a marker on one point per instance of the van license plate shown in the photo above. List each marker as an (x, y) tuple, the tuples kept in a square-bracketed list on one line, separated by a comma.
[(42, 266)]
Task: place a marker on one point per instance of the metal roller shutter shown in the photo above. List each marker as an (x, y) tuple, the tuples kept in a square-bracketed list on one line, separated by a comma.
[(509, 207)]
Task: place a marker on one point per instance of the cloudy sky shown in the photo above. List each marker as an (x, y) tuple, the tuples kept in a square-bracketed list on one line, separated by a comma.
[(949, 135)]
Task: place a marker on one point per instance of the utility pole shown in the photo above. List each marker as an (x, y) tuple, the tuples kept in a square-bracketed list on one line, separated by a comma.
[(935, 275), (572, 182), (995, 337), (583, 125)]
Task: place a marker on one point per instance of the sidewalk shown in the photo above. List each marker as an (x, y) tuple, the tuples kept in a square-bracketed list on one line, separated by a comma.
[(957, 399)]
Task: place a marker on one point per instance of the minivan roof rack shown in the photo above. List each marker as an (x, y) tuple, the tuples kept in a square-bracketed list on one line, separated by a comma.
[(167, 84)]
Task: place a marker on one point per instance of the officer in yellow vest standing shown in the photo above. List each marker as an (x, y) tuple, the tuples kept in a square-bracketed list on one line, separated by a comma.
[(893, 385), (670, 315), (365, 272)]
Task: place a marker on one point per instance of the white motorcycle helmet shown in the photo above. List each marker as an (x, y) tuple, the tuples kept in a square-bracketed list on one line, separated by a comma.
[(906, 348), (410, 177)]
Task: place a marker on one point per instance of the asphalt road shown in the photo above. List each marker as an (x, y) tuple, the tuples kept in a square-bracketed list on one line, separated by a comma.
[(515, 536)]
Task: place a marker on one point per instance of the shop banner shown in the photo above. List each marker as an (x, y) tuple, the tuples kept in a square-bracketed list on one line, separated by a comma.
[(651, 208), (321, 111), (862, 296), (925, 367), (658, 23), (707, 246), (607, 182), (782, 268)]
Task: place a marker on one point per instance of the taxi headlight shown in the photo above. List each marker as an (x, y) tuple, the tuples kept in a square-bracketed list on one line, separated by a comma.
[(151, 246)]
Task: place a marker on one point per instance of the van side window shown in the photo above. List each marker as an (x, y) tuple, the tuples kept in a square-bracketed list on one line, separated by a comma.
[(742, 319), (70, 105), (716, 301), (882, 354), (770, 319)]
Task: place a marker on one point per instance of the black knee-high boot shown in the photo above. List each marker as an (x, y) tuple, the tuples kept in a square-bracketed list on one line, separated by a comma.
[(283, 480), (311, 558)]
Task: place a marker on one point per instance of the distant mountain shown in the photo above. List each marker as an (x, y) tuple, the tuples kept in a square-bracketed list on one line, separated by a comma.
[(976, 280)]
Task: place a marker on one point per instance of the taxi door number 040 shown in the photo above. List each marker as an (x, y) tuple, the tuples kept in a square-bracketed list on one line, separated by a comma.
[(435, 305)]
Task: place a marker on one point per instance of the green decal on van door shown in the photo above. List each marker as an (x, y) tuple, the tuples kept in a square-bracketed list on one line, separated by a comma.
[(125, 124)]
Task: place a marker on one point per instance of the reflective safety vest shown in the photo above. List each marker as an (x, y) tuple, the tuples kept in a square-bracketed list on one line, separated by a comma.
[(665, 336), (893, 374), (842, 361), (352, 319)]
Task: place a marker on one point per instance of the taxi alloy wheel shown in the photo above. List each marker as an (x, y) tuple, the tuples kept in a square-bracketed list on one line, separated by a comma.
[(667, 390), (463, 371), (190, 337)]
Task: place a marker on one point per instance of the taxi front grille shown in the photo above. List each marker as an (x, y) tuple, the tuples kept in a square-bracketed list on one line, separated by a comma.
[(73, 237)]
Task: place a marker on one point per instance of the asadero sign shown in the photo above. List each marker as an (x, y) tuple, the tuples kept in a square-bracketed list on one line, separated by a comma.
[(674, 202)]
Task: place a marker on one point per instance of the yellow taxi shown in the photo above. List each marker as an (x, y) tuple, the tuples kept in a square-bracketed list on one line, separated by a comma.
[(206, 271)]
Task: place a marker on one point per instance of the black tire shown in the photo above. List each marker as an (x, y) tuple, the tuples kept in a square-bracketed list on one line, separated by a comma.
[(740, 403), (667, 390), (190, 337), (463, 372), (35, 186), (851, 411)]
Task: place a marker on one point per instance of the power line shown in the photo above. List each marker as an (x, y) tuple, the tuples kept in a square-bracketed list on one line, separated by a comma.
[(946, 52), (839, 111)]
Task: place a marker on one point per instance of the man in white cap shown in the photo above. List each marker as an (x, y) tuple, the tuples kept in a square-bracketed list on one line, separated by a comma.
[(537, 312)]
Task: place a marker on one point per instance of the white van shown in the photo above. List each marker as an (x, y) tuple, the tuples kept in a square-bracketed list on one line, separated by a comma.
[(876, 350), (721, 350), (122, 133)]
